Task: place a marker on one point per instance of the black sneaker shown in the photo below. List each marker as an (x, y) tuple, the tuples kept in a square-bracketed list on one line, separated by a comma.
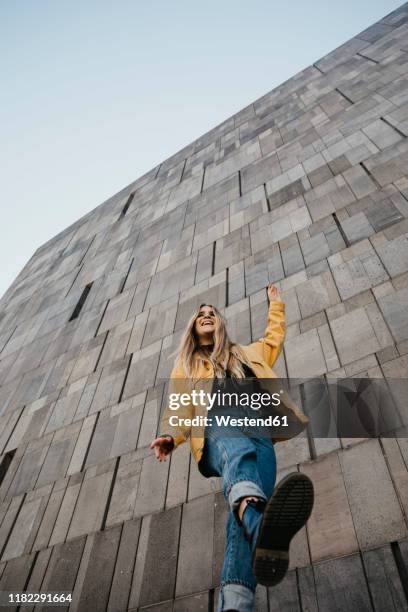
[(286, 511)]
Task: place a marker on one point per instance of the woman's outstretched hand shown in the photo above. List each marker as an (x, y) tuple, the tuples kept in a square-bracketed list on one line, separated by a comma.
[(273, 292), (162, 447)]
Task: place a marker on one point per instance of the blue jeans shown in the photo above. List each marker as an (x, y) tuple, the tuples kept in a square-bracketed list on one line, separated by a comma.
[(248, 467)]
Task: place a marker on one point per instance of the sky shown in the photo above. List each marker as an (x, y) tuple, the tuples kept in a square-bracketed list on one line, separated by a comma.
[(96, 93)]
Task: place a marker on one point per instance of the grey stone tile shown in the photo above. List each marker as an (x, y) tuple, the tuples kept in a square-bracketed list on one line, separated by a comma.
[(362, 465), (26, 521), (99, 572), (315, 248), (357, 227), (59, 455), (381, 134), (317, 294), (354, 336), (384, 214), (63, 566), (122, 504), (357, 272), (285, 594), (260, 171), (178, 476), (320, 175), (194, 570), (48, 520), (394, 255), (292, 260), (162, 545), (330, 492), (152, 486), (259, 313), (28, 470), (15, 574), (122, 577), (38, 570), (304, 355), (109, 386), (170, 282), (247, 154), (161, 321), (82, 444), (359, 181), (287, 193), (307, 588), (142, 371), (236, 283), (238, 322), (383, 579), (102, 439), (394, 309), (151, 413), (92, 499), (341, 585), (231, 249), (66, 509)]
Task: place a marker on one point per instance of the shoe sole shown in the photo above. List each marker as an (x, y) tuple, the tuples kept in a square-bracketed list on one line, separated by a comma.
[(285, 514)]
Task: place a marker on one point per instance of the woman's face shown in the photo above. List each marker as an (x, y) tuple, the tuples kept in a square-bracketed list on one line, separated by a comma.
[(204, 325)]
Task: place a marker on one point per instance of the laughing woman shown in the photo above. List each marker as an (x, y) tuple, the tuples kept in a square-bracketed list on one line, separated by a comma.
[(263, 518)]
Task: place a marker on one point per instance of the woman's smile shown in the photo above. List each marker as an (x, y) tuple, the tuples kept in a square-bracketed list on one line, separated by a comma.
[(207, 322)]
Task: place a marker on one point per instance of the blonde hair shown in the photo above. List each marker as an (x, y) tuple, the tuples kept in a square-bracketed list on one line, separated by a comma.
[(225, 354)]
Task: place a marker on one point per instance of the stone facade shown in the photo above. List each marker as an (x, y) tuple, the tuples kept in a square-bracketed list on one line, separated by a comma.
[(308, 188)]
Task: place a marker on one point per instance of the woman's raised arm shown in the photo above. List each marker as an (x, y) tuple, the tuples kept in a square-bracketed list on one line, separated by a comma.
[(270, 345)]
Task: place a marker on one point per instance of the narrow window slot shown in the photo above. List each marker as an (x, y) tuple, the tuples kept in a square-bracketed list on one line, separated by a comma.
[(401, 567), (341, 230), (90, 442), (384, 120), (126, 206), (125, 378), (268, 204), (182, 172), (370, 59), (317, 68), (344, 95), (81, 302), (213, 259), (126, 277), (108, 501), (202, 182), (5, 464)]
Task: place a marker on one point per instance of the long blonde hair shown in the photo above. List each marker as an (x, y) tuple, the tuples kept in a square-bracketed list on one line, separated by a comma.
[(225, 354)]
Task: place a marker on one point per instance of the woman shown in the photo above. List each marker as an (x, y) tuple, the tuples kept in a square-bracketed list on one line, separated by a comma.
[(262, 520)]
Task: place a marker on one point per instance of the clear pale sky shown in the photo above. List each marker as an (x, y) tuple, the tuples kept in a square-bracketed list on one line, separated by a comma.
[(96, 93)]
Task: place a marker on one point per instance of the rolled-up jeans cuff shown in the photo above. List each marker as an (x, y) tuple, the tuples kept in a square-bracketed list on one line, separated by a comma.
[(243, 488), (236, 597)]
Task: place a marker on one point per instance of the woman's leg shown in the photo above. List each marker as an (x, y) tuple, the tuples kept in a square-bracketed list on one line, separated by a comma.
[(238, 583), (248, 467)]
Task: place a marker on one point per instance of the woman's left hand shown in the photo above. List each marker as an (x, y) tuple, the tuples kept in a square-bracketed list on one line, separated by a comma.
[(273, 292)]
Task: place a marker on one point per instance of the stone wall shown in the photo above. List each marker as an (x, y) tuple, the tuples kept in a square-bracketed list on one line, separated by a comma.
[(306, 187)]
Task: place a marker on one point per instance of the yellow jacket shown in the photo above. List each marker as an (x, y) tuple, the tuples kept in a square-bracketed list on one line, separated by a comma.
[(261, 355)]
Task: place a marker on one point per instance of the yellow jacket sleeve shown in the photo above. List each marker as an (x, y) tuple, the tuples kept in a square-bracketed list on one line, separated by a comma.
[(270, 346), (178, 384)]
